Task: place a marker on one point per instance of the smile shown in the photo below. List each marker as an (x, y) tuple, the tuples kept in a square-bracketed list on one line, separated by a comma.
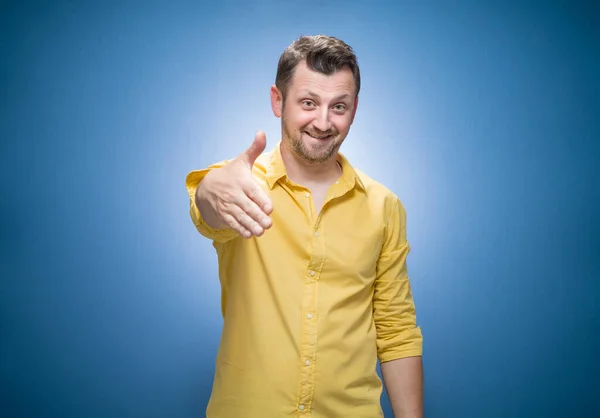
[(319, 137)]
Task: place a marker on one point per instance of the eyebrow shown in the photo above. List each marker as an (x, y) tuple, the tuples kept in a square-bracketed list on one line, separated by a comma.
[(316, 96)]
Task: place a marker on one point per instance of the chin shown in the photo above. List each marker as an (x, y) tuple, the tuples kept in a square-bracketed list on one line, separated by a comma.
[(313, 150), (317, 155)]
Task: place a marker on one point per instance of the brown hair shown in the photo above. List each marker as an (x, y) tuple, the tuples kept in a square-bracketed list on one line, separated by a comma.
[(324, 54)]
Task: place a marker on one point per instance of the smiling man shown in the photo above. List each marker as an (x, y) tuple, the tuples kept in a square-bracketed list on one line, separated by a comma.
[(312, 260)]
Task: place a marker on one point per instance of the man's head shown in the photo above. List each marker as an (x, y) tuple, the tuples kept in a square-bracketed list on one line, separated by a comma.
[(316, 95)]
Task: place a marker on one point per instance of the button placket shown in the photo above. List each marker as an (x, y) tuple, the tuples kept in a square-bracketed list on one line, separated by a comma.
[(308, 343), (309, 336)]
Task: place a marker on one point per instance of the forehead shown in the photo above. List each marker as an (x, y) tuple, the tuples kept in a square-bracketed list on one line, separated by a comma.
[(340, 82)]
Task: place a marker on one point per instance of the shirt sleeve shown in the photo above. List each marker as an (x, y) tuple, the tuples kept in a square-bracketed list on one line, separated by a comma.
[(394, 311), (192, 181)]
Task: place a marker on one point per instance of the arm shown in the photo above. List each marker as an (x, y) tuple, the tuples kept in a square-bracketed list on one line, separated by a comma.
[(403, 380), (399, 339)]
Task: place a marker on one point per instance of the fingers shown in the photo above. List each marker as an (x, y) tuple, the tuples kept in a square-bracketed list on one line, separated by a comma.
[(243, 223), (259, 198), (249, 224), (258, 146), (234, 224), (256, 214), (244, 216)]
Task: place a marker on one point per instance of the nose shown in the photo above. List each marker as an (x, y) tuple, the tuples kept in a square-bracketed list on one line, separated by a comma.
[(322, 122)]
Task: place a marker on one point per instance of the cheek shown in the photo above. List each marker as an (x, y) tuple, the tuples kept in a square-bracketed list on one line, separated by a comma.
[(342, 123), (298, 119)]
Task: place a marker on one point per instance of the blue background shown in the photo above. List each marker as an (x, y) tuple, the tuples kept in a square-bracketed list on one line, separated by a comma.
[(485, 121)]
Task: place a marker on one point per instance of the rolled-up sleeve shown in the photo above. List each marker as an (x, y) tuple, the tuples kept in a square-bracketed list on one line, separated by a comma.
[(398, 335), (192, 181)]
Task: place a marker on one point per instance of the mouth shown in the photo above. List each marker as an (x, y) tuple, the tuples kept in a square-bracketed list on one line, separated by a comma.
[(319, 137)]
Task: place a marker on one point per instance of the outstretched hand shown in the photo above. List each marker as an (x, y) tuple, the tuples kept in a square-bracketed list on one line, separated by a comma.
[(231, 197)]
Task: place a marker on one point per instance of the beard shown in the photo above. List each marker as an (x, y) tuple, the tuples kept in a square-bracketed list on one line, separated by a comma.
[(312, 153)]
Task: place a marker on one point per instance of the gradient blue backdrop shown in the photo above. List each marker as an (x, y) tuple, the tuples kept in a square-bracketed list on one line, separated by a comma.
[(484, 120)]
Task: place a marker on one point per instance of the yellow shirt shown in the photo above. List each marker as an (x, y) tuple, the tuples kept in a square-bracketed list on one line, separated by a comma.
[(311, 305)]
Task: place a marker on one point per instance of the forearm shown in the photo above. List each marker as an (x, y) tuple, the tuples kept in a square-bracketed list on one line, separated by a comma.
[(403, 379)]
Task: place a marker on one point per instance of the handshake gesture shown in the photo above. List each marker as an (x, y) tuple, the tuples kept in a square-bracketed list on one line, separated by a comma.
[(229, 197)]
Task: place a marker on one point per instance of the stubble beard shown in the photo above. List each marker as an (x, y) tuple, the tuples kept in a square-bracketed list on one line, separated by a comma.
[(313, 154)]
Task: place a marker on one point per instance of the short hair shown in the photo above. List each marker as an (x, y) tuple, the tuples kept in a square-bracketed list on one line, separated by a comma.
[(324, 54)]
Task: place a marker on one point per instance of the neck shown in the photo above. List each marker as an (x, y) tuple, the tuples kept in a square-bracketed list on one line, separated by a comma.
[(309, 174)]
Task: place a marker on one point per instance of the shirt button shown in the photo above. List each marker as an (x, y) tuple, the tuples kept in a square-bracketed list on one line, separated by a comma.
[(301, 407), (307, 362), (309, 316), (317, 234), (307, 195), (311, 272)]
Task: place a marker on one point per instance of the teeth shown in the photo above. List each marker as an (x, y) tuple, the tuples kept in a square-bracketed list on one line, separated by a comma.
[(319, 137)]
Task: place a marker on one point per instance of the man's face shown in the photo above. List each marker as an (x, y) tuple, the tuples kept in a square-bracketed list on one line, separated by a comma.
[(317, 112)]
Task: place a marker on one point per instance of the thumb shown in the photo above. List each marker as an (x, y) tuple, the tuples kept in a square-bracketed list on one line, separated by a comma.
[(257, 147)]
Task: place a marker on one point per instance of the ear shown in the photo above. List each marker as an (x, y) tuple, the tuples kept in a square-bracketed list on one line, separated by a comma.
[(276, 101), (354, 110)]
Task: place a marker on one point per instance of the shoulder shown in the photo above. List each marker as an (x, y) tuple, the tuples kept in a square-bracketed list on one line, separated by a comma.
[(392, 211), (262, 163), (379, 194)]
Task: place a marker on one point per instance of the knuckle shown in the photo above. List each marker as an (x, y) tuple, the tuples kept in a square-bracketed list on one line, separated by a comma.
[(230, 222), (250, 188), (240, 217), (228, 196), (242, 204), (223, 210)]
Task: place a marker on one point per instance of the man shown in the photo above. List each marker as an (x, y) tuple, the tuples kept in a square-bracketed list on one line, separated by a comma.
[(312, 260)]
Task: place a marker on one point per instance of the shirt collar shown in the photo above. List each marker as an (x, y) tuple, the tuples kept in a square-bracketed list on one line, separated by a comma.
[(276, 170)]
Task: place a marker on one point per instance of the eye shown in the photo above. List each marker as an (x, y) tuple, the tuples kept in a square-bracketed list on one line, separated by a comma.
[(339, 107), (308, 103)]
